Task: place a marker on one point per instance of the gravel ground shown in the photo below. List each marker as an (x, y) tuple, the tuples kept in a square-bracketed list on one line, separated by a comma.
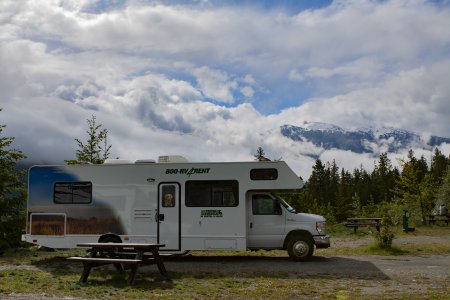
[(371, 274)]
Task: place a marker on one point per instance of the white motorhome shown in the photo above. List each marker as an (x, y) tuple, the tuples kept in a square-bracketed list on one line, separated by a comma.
[(184, 205)]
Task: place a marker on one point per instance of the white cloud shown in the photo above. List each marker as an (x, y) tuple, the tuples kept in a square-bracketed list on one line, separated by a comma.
[(215, 84), (294, 75), (249, 79), (247, 91), (146, 69), (358, 69)]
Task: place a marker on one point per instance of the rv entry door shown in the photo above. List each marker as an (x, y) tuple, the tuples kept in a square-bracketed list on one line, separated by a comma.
[(169, 215)]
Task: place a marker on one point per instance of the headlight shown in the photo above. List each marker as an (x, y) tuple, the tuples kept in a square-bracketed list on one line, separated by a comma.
[(321, 227)]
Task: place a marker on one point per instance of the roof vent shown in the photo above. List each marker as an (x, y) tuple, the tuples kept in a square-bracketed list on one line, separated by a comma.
[(172, 159)]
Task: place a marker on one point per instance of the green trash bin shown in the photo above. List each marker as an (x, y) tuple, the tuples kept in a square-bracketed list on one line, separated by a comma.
[(405, 220)]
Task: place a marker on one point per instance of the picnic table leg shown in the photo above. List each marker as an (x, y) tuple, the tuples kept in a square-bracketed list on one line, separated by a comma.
[(134, 268), (354, 228), (119, 267), (132, 277), (159, 262), (86, 270)]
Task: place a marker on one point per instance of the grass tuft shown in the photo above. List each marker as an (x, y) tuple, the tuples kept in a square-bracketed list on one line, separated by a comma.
[(376, 248)]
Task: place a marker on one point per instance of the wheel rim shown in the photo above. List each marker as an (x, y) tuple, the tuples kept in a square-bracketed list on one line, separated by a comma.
[(300, 249)]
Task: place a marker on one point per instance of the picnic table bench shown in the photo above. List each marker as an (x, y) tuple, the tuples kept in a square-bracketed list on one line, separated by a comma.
[(432, 219), (363, 222), (120, 254)]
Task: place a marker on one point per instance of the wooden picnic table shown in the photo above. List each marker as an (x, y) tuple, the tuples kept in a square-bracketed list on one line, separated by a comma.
[(118, 254), (432, 219), (363, 222)]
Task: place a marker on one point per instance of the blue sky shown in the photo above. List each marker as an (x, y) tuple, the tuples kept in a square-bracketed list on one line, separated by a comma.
[(214, 80)]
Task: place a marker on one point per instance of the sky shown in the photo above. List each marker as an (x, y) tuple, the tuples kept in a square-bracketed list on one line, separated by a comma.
[(214, 80)]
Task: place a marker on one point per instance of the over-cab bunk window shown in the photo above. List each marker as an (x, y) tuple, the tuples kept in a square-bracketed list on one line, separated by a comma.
[(72, 192), (264, 174), (212, 193)]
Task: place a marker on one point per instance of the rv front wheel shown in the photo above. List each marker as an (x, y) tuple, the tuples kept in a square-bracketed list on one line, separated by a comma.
[(300, 248)]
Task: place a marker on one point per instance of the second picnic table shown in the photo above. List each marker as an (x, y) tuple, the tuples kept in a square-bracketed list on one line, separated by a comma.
[(432, 219), (118, 254), (363, 222)]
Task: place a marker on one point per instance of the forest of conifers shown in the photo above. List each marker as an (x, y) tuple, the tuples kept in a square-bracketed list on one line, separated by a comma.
[(336, 193)]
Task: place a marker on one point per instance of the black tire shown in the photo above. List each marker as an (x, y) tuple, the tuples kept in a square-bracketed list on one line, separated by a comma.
[(300, 247), (112, 239), (112, 253)]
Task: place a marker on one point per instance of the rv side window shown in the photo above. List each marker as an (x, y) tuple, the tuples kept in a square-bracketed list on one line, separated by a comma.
[(264, 174), (72, 192), (168, 196), (212, 193), (265, 205)]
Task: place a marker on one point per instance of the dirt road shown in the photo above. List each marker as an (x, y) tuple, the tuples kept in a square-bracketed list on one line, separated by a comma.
[(373, 266), (389, 277)]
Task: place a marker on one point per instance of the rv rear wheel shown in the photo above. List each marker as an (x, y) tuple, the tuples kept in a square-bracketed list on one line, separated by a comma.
[(300, 247), (111, 239), (112, 253)]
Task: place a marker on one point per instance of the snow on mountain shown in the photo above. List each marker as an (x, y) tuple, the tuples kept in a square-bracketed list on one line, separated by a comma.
[(367, 140), (318, 126)]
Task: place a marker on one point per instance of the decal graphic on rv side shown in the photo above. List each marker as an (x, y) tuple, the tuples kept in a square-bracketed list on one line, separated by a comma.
[(60, 203), (188, 172), (211, 213)]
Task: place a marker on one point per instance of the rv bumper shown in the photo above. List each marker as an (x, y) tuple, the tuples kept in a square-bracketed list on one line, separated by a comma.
[(322, 241)]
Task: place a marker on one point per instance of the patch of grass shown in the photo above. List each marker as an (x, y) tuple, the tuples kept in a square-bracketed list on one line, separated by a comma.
[(364, 237), (107, 284), (426, 249), (341, 231), (25, 256), (376, 248), (397, 249)]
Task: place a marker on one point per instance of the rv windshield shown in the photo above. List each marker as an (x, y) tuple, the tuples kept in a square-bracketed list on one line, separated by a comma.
[(285, 204)]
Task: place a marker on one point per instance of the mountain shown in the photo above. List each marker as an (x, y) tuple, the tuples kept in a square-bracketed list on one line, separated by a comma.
[(328, 136)]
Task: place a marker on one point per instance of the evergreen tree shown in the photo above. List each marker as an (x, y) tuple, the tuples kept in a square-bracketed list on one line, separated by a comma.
[(12, 193), (438, 168), (344, 198), (317, 182), (341, 194), (443, 193), (362, 186), (383, 180), (413, 189), (334, 180), (260, 155), (422, 168), (96, 149)]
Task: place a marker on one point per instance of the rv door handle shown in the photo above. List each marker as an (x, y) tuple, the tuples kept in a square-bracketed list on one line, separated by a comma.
[(251, 224), (161, 217)]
